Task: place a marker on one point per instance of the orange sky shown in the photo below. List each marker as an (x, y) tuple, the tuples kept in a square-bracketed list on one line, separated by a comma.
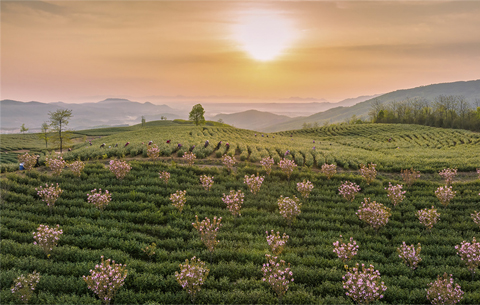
[(78, 51)]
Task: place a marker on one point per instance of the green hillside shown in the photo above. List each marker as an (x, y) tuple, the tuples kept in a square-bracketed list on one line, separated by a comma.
[(392, 146), (470, 90)]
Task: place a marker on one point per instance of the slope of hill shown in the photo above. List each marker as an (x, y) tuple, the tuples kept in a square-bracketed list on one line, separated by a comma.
[(470, 90), (251, 119)]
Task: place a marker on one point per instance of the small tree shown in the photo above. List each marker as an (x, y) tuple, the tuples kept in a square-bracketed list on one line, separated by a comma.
[(373, 213), (428, 217), (228, 161), (254, 183), (289, 208), (98, 199), (23, 129), (329, 170), (164, 176), (369, 173), (348, 190), (445, 194), (277, 242), (410, 255), (363, 286), (208, 231), (305, 188), (448, 174), (76, 168), (28, 160), (106, 279), (410, 175), (119, 168), (59, 120), (153, 152), (395, 193), (287, 167), (49, 194), (196, 115), (178, 199), (192, 276), (207, 182), (55, 163), (470, 254), (189, 158), (234, 202), (43, 135), (143, 121), (344, 251), (278, 275), (47, 238), (443, 291), (267, 163), (24, 286)]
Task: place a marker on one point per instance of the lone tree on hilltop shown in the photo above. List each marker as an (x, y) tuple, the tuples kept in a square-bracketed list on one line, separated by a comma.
[(23, 129), (196, 115), (59, 121), (43, 135)]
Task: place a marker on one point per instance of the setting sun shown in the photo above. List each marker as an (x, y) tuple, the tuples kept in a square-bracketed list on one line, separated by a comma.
[(264, 35)]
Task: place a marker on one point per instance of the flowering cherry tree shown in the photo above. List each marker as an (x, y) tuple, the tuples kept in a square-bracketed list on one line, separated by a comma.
[(364, 285), (329, 170), (28, 160), (153, 152), (348, 190), (234, 202), (344, 251), (267, 163), (410, 255), (119, 168), (277, 274), (228, 161), (287, 167), (410, 175), (289, 208), (106, 279), (165, 176), (23, 286), (76, 168), (98, 199), (448, 174), (444, 291), (207, 182), (192, 276), (56, 164), (305, 188), (373, 213), (47, 238), (445, 194), (189, 157), (428, 217), (470, 254), (368, 172), (276, 242), (476, 217), (395, 193), (254, 183), (208, 231), (178, 199), (49, 194)]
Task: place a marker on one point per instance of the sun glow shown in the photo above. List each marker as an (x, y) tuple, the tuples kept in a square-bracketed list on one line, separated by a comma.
[(264, 35)]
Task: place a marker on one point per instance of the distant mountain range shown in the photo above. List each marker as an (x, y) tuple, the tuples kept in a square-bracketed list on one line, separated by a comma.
[(468, 89)]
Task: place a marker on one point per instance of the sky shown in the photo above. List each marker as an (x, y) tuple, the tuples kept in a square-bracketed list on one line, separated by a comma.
[(85, 51)]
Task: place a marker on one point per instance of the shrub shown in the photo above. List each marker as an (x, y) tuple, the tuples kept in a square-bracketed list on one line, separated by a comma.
[(470, 254), (289, 208), (164, 176), (208, 231), (428, 217), (56, 164), (192, 276), (119, 168), (24, 286), (254, 183), (410, 175), (267, 163), (363, 286), (410, 255), (228, 162), (305, 188), (395, 193), (98, 199), (369, 173), (348, 190), (47, 238), (277, 274), (445, 194), (207, 182), (178, 199), (287, 167), (150, 250), (76, 168), (345, 252), (106, 279), (153, 152), (49, 194), (329, 170), (189, 157), (234, 202), (28, 160), (448, 174), (373, 213), (443, 291), (276, 242)]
